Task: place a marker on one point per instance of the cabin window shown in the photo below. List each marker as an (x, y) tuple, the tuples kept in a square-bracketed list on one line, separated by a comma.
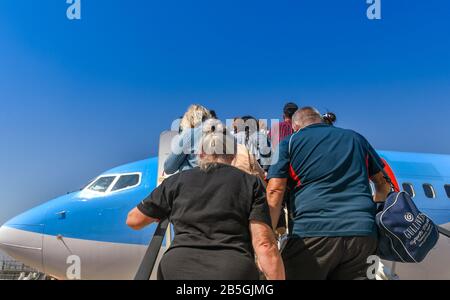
[(126, 182), (429, 191), (447, 190), (102, 184), (409, 188)]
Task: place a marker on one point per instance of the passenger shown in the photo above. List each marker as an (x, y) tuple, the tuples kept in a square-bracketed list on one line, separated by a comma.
[(234, 126), (257, 143), (278, 133), (185, 157), (213, 114), (263, 127), (329, 118), (333, 231), (246, 161), (220, 216), (283, 129), (177, 124)]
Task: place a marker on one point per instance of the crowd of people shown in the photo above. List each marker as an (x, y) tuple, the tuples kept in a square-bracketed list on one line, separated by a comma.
[(295, 198)]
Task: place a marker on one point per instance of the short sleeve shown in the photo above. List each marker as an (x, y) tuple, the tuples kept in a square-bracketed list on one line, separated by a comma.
[(260, 208), (280, 161), (156, 205), (374, 162)]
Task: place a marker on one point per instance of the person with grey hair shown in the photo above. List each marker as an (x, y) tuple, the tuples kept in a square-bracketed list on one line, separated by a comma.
[(220, 216), (310, 115), (333, 229)]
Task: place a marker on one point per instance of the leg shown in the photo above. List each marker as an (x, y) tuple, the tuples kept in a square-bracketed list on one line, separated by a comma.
[(311, 258), (354, 263), (200, 264)]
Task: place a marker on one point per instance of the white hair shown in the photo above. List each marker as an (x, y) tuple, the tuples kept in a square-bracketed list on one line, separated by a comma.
[(306, 116), (217, 145)]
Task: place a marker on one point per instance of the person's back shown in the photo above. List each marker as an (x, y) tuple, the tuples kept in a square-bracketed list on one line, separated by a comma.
[(257, 142), (211, 209), (333, 230), (220, 217), (247, 162), (283, 129), (330, 165)]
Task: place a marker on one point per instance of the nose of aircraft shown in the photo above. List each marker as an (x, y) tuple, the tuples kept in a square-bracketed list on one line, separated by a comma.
[(21, 238)]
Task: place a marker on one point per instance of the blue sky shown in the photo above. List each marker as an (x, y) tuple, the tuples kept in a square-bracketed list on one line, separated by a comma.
[(80, 97)]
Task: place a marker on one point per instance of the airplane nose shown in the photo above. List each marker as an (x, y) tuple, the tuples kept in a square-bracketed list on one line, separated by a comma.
[(21, 238), (24, 246)]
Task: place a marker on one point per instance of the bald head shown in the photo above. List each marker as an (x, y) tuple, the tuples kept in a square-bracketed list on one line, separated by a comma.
[(306, 116)]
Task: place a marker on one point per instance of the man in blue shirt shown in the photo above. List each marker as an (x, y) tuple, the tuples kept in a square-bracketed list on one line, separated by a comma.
[(333, 229)]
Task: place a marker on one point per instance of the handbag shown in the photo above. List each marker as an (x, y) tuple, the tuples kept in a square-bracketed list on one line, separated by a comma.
[(405, 234)]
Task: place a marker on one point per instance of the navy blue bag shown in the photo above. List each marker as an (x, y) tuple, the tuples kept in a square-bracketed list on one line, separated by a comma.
[(405, 234)]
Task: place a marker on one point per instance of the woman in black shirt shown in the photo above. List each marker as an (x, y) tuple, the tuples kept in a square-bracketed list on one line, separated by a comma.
[(220, 217)]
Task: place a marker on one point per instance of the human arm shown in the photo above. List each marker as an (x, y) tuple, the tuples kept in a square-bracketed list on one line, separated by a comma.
[(382, 187), (275, 195), (181, 148), (173, 163), (266, 250), (153, 208), (375, 166), (137, 220), (277, 177)]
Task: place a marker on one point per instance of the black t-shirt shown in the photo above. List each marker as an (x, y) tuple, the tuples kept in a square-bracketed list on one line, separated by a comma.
[(210, 209)]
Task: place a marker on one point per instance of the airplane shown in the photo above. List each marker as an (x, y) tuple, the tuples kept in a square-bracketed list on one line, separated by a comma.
[(90, 223)]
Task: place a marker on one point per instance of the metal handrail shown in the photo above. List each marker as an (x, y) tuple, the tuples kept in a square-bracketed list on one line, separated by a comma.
[(443, 231), (151, 255)]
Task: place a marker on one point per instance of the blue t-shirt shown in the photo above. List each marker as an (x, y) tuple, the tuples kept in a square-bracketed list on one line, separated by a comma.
[(330, 169)]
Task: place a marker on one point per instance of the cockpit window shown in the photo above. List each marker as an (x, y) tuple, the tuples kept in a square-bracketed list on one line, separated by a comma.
[(126, 181), (102, 184)]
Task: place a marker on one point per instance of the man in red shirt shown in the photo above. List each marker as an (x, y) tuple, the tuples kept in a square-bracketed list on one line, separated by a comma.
[(283, 129), (278, 133)]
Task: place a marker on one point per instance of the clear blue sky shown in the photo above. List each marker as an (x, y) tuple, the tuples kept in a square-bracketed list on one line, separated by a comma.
[(79, 97)]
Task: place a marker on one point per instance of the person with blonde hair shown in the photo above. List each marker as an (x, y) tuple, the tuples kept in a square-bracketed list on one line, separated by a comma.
[(184, 146), (194, 117), (220, 216)]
